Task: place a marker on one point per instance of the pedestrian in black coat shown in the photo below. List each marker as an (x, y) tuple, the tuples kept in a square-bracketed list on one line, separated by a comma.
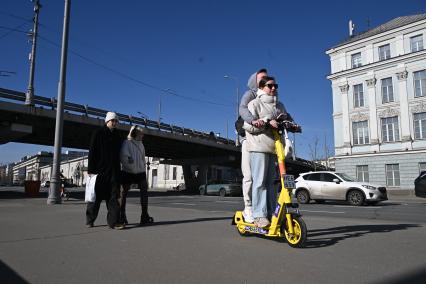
[(104, 161)]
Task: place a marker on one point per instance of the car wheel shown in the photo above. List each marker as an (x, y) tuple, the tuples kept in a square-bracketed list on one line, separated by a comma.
[(203, 191), (302, 196), (319, 201), (356, 197), (222, 192)]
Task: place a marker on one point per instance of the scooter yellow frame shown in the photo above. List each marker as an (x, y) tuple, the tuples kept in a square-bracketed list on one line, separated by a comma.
[(286, 220)]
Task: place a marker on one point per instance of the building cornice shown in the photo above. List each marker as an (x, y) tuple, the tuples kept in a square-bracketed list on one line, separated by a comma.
[(374, 37), (412, 152)]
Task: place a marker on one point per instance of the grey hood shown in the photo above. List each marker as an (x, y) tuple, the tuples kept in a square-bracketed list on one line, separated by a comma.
[(252, 83)]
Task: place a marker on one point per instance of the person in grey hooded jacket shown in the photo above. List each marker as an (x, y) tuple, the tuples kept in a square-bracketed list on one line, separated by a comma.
[(246, 115)]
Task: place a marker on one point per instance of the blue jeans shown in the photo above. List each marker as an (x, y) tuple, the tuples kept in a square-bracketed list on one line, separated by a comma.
[(264, 195)]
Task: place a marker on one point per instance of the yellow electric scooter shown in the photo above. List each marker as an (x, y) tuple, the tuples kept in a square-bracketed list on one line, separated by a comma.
[(286, 220)]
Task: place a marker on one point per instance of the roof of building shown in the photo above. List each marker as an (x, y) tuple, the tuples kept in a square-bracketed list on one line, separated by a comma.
[(392, 24)]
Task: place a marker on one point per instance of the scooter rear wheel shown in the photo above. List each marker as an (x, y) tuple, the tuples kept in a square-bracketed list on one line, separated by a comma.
[(298, 238)]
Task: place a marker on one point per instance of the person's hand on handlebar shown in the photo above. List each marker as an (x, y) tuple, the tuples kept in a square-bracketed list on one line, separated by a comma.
[(258, 123), (274, 123)]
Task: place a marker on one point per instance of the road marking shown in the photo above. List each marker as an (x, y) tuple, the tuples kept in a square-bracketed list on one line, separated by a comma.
[(331, 212), (181, 203), (361, 207), (227, 201)]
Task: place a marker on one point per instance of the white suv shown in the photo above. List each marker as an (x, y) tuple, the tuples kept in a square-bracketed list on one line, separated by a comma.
[(323, 185)]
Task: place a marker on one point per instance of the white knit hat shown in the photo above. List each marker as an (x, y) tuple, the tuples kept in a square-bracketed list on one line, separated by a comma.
[(110, 116)]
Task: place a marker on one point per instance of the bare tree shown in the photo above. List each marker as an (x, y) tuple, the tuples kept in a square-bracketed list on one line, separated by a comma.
[(327, 151), (313, 151)]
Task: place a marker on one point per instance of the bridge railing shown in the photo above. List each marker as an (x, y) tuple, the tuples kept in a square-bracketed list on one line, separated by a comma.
[(100, 113)]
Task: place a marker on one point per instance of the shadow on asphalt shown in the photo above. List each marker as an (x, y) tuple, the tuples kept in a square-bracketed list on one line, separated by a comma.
[(8, 275), (327, 237), (174, 222), (413, 277)]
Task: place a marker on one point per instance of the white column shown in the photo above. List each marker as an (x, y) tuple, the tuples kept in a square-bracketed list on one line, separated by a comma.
[(405, 116), (374, 135), (345, 118)]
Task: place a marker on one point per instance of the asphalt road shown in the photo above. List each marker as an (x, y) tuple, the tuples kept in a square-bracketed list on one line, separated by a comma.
[(403, 209), (192, 241)]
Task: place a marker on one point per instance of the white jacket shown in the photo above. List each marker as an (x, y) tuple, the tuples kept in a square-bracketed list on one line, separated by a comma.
[(267, 108), (132, 156)]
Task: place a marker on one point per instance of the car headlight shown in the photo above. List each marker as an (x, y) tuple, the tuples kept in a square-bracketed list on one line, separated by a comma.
[(369, 187)]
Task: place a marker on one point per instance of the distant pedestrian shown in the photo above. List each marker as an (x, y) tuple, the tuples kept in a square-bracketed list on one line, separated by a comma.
[(132, 158), (104, 161)]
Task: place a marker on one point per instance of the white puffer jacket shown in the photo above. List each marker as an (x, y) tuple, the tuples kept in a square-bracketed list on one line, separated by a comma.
[(132, 156), (267, 108)]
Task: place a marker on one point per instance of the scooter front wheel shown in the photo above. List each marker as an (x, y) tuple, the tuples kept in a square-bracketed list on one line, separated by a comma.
[(300, 233)]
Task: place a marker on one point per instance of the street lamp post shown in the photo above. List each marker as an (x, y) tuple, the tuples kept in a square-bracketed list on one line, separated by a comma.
[(54, 196), (159, 110), (237, 138), (167, 91), (29, 96)]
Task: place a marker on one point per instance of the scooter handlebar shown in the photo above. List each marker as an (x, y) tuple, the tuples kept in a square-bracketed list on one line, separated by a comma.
[(290, 126)]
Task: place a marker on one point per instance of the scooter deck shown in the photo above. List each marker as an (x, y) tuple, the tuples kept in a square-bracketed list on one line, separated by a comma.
[(244, 227)]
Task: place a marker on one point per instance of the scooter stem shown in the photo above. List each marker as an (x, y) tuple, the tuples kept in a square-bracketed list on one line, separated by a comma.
[(284, 197)]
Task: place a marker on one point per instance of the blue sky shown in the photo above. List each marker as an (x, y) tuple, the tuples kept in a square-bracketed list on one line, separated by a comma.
[(123, 53)]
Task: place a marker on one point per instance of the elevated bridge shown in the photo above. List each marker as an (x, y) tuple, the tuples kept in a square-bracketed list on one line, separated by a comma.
[(178, 145)]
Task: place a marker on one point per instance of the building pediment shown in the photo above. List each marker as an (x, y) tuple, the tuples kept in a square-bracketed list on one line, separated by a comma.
[(420, 107), (359, 116), (388, 112)]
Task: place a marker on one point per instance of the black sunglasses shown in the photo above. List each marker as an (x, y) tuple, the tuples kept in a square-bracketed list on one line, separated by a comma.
[(272, 85)]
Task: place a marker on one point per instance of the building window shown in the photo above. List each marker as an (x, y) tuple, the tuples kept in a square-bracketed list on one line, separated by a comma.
[(356, 60), (387, 90), (420, 125), (362, 173), (416, 43), (390, 129), (358, 96), (392, 175), (422, 167), (360, 132), (420, 83), (174, 173), (384, 52)]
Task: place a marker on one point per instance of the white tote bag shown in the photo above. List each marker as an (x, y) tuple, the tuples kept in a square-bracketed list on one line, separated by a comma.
[(90, 189)]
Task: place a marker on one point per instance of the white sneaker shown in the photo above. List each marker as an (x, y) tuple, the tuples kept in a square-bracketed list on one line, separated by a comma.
[(248, 217)]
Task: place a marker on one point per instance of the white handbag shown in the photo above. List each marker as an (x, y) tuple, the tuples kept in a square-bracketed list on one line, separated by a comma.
[(90, 195), (289, 150)]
